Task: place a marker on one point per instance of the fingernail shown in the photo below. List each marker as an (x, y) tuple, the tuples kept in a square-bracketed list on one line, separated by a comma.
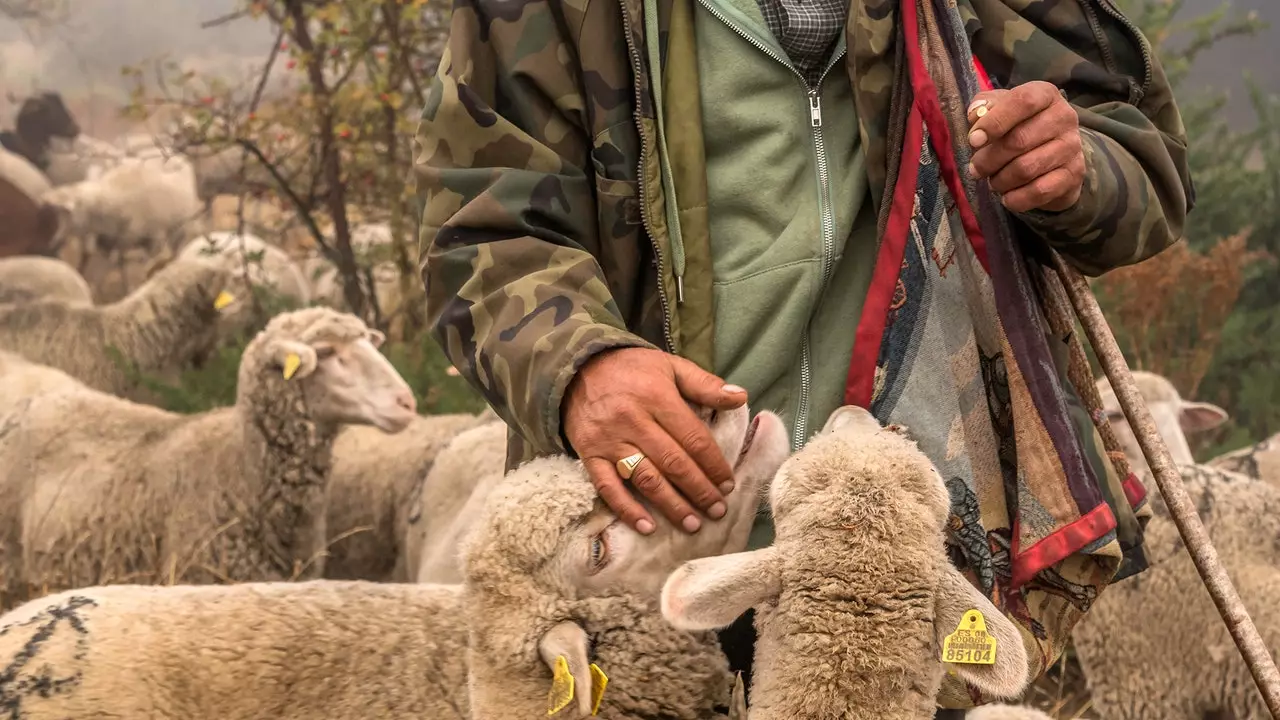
[(726, 487), (732, 389), (980, 103), (978, 138), (691, 523), (973, 171), (717, 511), (644, 527)]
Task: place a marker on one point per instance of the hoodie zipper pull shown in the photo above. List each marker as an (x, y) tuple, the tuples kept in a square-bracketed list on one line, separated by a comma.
[(815, 109)]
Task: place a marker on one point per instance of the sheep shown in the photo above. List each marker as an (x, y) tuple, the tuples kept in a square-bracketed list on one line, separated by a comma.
[(551, 574), (372, 245), (140, 202), (166, 323), (237, 493), (1174, 417), (269, 267), (41, 118), (450, 498), (24, 176), (73, 161), (856, 595), (376, 482), (32, 277), (1154, 646), (1260, 460), (21, 379)]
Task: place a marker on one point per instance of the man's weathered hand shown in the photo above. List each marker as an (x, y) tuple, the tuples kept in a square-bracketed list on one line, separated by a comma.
[(1027, 142), (636, 399)]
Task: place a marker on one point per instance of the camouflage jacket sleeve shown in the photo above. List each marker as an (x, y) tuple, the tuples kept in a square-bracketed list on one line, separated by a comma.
[(1137, 188), (513, 296)]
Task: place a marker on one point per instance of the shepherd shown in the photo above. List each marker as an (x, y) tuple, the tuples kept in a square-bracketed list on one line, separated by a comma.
[(638, 210)]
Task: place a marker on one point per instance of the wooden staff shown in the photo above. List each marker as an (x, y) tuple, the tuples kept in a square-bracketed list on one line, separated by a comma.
[(1169, 480)]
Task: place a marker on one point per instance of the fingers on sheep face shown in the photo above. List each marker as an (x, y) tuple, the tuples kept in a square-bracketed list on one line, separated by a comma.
[(610, 555), (348, 382)]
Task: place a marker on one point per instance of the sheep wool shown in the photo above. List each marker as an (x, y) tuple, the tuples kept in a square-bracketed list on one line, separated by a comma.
[(1260, 460), (234, 494), (1154, 646), (164, 324), (856, 595), (31, 277), (1000, 711)]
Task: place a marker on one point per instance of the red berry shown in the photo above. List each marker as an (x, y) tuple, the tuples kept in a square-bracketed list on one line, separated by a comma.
[(291, 64)]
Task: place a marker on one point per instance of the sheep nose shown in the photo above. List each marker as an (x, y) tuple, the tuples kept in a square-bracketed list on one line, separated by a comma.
[(407, 401)]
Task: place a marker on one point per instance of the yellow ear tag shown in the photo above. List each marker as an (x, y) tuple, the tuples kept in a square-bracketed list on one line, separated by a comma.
[(598, 681), (224, 299), (561, 693), (291, 363), (970, 644)]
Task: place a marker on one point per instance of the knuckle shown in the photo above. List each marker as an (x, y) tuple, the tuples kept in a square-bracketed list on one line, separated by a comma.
[(1018, 140), (697, 443), (675, 463), (647, 480)]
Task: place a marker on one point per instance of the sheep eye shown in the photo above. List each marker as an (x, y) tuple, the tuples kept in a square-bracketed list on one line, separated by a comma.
[(599, 556), (325, 351)]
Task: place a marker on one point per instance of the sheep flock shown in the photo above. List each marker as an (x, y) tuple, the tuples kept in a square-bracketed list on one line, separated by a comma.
[(321, 548)]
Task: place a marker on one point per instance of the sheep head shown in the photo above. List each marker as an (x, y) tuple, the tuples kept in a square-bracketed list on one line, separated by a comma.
[(855, 482), (1174, 417), (331, 361), (45, 116), (551, 573)]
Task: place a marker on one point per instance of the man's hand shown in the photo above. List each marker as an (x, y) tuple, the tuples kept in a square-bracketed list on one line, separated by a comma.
[(636, 399), (1028, 143)]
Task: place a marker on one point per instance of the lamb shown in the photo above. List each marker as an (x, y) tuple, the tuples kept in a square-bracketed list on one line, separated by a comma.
[(233, 494), (1154, 646), (31, 277), (551, 575), (1174, 417), (166, 323), (449, 499), (376, 482), (856, 595)]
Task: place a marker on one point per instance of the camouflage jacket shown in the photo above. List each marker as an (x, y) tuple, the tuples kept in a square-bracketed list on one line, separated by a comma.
[(544, 236)]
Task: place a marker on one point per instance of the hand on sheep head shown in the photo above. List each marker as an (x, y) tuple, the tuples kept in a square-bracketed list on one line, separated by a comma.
[(348, 382), (633, 400)]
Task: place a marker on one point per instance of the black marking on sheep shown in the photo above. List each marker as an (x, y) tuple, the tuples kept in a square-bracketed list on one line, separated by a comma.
[(14, 687)]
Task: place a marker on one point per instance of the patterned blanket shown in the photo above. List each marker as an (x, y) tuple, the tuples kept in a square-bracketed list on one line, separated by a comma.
[(967, 341)]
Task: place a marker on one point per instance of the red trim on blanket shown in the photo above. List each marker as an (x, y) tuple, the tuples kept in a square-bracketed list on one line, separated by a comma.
[(984, 80), (931, 108), (861, 380), (1062, 544), (1134, 491)]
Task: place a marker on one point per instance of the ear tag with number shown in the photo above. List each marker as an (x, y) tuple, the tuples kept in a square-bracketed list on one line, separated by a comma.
[(970, 644)]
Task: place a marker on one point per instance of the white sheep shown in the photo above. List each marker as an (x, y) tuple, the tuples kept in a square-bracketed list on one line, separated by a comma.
[(163, 325), (1000, 711), (32, 277), (111, 489), (855, 597), (1174, 418), (268, 266), (21, 379), (140, 202), (1154, 645), (551, 577), (72, 161), (372, 246), (375, 485)]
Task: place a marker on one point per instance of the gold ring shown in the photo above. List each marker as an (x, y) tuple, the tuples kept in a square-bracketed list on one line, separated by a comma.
[(627, 465)]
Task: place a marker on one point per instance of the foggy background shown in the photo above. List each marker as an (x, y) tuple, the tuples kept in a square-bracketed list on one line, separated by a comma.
[(105, 34)]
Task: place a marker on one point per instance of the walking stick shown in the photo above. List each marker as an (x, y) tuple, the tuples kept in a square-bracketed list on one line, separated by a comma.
[(1168, 479)]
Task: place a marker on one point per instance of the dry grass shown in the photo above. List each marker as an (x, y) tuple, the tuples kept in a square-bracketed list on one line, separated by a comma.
[(1061, 692)]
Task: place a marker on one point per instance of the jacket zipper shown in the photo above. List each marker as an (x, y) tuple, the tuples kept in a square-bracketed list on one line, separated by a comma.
[(640, 184), (1137, 35), (801, 429)]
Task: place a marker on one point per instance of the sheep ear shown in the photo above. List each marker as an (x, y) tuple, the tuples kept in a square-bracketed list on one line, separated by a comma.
[(1199, 416), (564, 649), (851, 416), (293, 359), (711, 592), (377, 337), (956, 598)]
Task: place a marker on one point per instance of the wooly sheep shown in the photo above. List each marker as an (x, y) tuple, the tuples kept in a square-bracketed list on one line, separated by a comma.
[(268, 268), (551, 574), (1174, 418), (164, 324), (24, 176), (72, 161), (1154, 645), (31, 277), (376, 483), (450, 498), (141, 202), (21, 379), (856, 595), (1260, 460), (111, 489)]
